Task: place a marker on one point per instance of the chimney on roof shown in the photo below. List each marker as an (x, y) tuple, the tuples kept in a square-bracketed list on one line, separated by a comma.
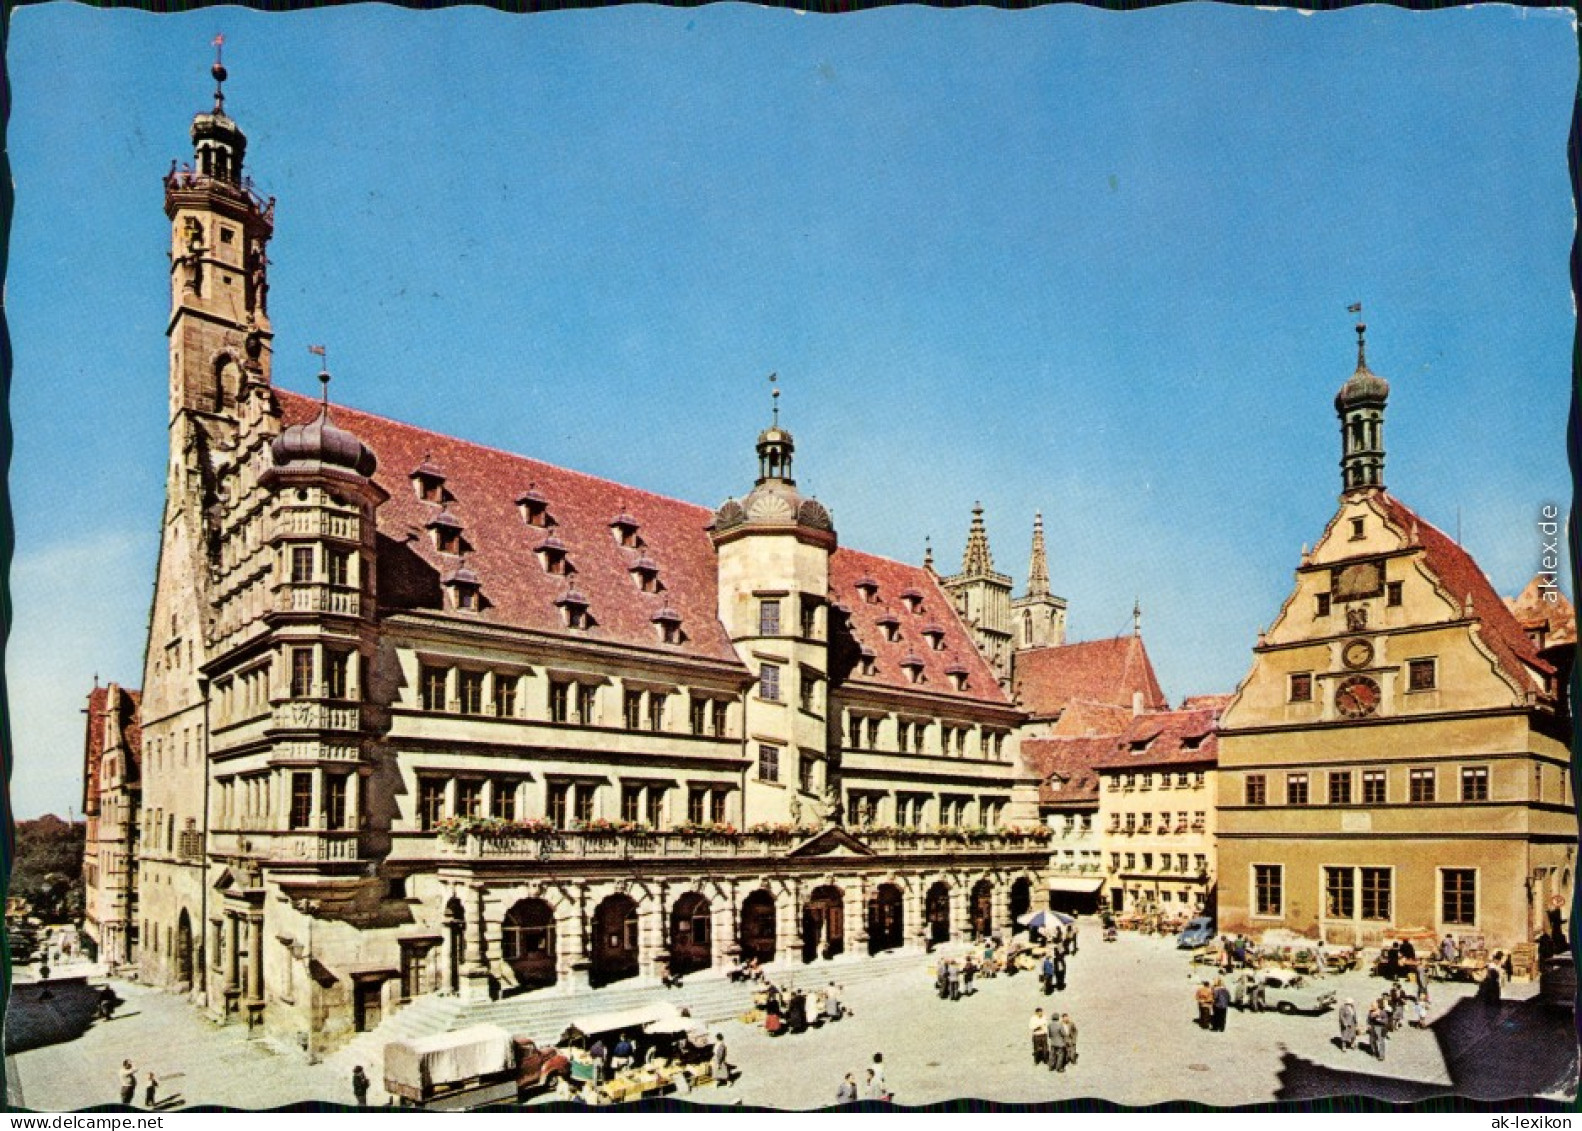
[(1137, 703)]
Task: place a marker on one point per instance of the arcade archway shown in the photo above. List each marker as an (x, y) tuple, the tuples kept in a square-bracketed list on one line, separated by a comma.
[(527, 943)]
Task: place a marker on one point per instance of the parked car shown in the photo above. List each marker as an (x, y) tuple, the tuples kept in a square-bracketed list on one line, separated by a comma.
[(1199, 932), (1557, 982), (1290, 992)]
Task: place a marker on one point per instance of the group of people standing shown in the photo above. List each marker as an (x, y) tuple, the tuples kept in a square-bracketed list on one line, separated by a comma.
[(1054, 1039), (872, 1087), (1213, 1004), (955, 977), (792, 1011), (1062, 941)]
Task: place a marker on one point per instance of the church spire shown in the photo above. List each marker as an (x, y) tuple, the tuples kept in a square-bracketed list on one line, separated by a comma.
[(976, 560), (1038, 570)]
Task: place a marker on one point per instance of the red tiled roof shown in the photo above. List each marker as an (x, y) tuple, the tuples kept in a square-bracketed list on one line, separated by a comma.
[(1461, 578), (1101, 671), (848, 567), (1215, 703), (1534, 610), (481, 488), (93, 749), (1072, 759), (1082, 719), (1166, 738)]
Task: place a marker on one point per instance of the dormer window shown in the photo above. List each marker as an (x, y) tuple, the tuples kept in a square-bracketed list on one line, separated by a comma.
[(935, 635), (552, 555), (1357, 525), (574, 608), (429, 482), (890, 625), (645, 574), (534, 507), (867, 663), (668, 621), (462, 584), (624, 527), (913, 600), (446, 529), (868, 588), (958, 677), (912, 665)]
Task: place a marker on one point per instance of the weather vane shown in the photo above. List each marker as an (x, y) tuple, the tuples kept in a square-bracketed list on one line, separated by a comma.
[(324, 369)]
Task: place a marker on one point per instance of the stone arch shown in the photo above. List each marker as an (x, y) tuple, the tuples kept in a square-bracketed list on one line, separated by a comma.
[(529, 943), (757, 935), (614, 950), (183, 955), (886, 918), (691, 933), (1021, 898), (980, 908), (936, 910), (823, 923)]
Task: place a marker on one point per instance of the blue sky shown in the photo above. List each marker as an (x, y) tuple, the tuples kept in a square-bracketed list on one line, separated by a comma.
[(1095, 264)]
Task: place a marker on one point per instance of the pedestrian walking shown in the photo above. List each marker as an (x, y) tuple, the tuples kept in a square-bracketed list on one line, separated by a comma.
[(953, 982), (796, 1012), (969, 969), (1378, 1028), (128, 1082), (877, 1072), (151, 1090), (846, 1093), (360, 1086), (1060, 970), (1070, 1028), (1397, 1008), (1221, 1004), (723, 1073), (1205, 1006), (1260, 991), (1419, 1010), (942, 980), (1047, 973), (1037, 1026), (1058, 1050), (1348, 1025)]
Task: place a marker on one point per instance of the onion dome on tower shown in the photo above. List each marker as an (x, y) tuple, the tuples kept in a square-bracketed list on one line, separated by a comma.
[(321, 445), (1360, 405), (774, 499)]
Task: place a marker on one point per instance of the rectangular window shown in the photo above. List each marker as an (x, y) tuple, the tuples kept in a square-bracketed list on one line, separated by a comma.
[(558, 808), (1321, 605), (632, 803), (769, 682), (335, 801), (430, 802), (810, 618), (582, 800), (1375, 893), (655, 807), (632, 707), (1301, 687), (1422, 785), (717, 717), (339, 562), (301, 800), (1421, 675), (469, 798), (585, 693), (337, 665), (698, 804), (505, 800), (1268, 884), (1475, 783), (769, 617), (1392, 593), (1458, 896), (807, 687), (698, 715), (1340, 893), (656, 710), (301, 673), (768, 763), (559, 701), (806, 772), (505, 696), (431, 686), (1373, 787), (1340, 788), (469, 688), (1296, 789), (301, 564), (854, 732)]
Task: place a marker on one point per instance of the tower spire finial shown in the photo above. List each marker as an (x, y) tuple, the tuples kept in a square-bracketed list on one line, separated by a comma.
[(219, 73), (928, 553), (774, 398), (976, 561), (324, 371), (1038, 569), (1362, 336), (1137, 616)]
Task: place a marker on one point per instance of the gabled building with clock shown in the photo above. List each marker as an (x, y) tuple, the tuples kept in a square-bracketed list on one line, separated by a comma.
[(1397, 756)]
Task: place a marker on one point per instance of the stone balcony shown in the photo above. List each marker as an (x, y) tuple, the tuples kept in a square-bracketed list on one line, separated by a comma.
[(306, 715), (317, 597), (318, 524), (651, 846)]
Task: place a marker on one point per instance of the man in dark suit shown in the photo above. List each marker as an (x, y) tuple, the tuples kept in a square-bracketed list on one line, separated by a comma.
[(1059, 1050), (1059, 958)]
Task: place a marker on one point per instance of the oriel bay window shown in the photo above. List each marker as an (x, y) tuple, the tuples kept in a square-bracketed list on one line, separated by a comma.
[(301, 565), (430, 802), (337, 668), (301, 814), (335, 800), (301, 673)]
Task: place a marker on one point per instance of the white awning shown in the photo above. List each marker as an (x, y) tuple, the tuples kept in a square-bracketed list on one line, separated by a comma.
[(1067, 883)]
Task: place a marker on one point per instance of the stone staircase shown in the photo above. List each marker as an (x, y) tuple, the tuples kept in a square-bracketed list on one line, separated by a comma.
[(545, 1014)]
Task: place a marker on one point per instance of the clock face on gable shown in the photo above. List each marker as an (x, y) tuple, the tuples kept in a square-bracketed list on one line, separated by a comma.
[(1358, 580), (1357, 654), (1357, 697)]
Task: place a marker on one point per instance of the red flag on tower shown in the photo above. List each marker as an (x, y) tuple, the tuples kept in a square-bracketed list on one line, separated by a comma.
[(316, 349)]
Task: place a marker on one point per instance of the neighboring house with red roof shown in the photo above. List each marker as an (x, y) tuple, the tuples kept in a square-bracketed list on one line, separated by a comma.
[(1068, 800), (111, 758), (423, 715), (1157, 786), (1398, 754), (1116, 673)]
